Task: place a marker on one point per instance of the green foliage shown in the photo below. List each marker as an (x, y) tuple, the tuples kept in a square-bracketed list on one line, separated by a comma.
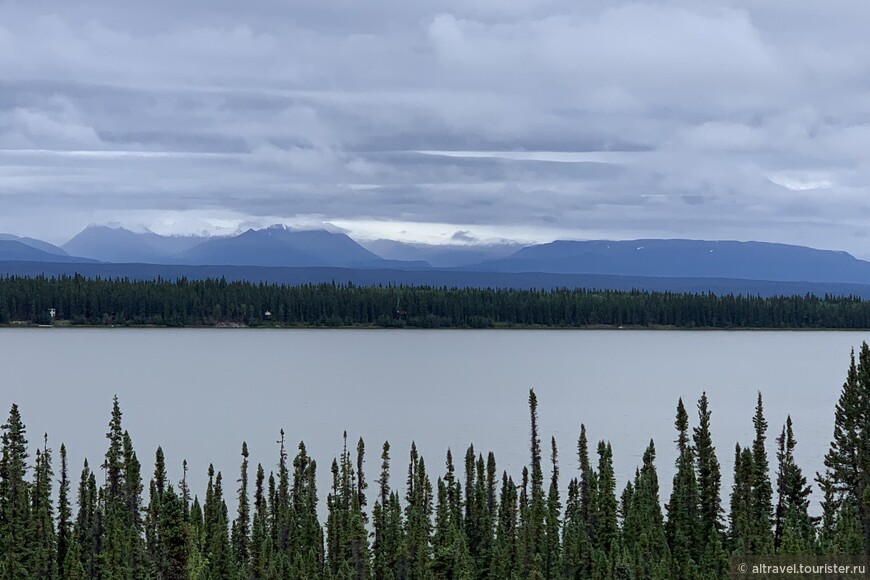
[(15, 509), (847, 463), (183, 302)]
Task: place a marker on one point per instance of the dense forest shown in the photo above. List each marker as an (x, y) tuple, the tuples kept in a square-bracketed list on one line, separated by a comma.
[(471, 522), (79, 300)]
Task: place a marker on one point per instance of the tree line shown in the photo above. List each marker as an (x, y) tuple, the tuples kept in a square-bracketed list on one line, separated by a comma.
[(182, 302), (471, 522)]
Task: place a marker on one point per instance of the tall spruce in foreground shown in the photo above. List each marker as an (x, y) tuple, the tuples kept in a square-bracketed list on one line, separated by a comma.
[(15, 549), (240, 537), (43, 539), (645, 549), (64, 514), (794, 529), (418, 519), (606, 532), (552, 520), (762, 491), (532, 532), (847, 463), (387, 542), (714, 561), (684, 525)]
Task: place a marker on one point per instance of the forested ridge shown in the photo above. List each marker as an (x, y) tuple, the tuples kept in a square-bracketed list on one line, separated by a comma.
[(182, 302), (465, 521)]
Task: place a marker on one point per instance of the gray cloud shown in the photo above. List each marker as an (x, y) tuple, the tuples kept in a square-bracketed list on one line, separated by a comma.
[(497, 119)]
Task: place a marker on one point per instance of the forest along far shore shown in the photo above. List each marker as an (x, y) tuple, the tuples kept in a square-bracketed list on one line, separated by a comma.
[(466, 520), (79, 301)]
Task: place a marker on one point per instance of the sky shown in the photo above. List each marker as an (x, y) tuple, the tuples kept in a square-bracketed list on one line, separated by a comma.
[(450, 121)]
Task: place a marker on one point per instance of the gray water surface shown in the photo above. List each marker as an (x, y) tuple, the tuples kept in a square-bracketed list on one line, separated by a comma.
[(200, 393)]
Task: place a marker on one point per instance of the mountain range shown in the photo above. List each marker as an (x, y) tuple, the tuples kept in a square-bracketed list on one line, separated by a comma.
[(256, 250)]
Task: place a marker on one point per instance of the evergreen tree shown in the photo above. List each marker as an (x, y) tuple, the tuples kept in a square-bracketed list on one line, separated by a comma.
[(741, 518), (261, 541), (121, 553), (504, 558), (848, 537), (43, 540), (605, 511), (847, 463), (15, 551), (241, 525), (154, 547), (713, 563), (552, 520), (72, 568), (533, 541), (762, 491), (645, 549), (418, 522), (794, 530), (685, 530), (64, 516), (219, 560), (387, 533), (307, 533), (174, 537), (87, 532)]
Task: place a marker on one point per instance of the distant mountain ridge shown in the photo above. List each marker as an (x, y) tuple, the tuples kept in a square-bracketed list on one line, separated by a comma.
[(442, 255), (687, 259), (34, 243), (119, 245), (14, 251), (285, 247), (279, 246)]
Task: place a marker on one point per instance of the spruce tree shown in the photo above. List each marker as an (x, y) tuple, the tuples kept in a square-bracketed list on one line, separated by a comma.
[(174, 537), (713, 563), (847, 463), (685, 531), (87, 532), (741, 532), (709, 476), (418, 519), (261, 541), (644, 545), (64, 515), (43, 538), (307, 533), (532, 531), (387, 541), (15, 551), (154, 547), (504, 557), (552, 520), (794, 529), (218, 551), (241, 525), (605, 510), (762, 491)]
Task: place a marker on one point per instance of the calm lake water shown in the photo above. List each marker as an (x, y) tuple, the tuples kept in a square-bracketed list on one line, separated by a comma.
[(200, 393)]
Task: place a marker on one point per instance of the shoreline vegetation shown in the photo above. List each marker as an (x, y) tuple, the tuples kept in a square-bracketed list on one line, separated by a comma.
[(76, 301), (468, 522)]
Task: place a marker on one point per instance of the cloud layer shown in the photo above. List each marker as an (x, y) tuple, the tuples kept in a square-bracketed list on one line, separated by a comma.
[(517, 119)]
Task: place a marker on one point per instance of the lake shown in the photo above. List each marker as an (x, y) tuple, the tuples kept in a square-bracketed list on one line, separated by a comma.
[(200, 392)]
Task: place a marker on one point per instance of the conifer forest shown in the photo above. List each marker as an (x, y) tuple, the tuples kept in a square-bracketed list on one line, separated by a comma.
[(77, 300), (453, 517)]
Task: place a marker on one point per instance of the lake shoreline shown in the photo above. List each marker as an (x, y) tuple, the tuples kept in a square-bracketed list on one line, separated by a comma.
[(242, 326)]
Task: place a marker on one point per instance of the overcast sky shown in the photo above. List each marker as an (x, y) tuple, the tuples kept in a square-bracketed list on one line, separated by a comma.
[(526, 120)]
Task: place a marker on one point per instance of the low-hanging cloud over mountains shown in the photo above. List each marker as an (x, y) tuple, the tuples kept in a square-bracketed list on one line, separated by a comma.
[(526, 120)]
